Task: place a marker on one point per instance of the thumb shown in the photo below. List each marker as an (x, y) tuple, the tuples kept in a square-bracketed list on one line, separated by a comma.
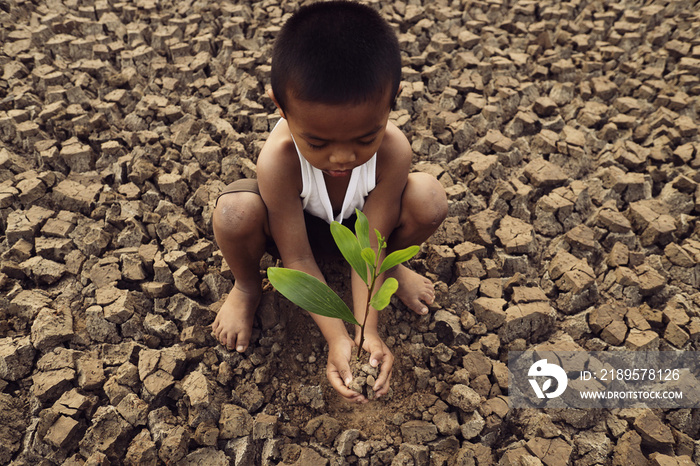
[(376, 355), (345, 375)]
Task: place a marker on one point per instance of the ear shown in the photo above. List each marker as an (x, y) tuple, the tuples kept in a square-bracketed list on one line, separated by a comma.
[(271, 95), (396, 97)]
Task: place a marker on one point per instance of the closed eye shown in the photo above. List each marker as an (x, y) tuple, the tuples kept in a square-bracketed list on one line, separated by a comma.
[(321, 146), (316, 146)]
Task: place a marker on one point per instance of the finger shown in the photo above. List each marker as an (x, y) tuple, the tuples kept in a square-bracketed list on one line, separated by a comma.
[(384, 388), (345, 375), (339, 385), (355, 398), (350, 395), (339, 371), (376, 354), (381, 386)]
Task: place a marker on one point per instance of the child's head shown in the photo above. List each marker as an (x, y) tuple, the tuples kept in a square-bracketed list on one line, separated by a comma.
[(336, 52)]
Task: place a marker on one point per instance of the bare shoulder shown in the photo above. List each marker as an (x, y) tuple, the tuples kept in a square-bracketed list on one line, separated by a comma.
[(278, 161), (395, 153), (395, 142)]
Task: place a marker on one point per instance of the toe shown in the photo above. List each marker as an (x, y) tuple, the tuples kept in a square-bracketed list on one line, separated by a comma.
[(242, 342), (221, 336), (418, 307)]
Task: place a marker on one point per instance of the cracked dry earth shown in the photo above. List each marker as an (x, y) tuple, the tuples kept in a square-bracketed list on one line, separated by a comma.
[(566, 136)]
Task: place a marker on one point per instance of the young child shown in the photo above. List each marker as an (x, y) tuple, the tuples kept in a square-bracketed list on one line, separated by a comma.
[(336, 71)]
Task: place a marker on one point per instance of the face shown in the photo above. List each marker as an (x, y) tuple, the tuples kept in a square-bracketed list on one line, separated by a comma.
[(337, 138)]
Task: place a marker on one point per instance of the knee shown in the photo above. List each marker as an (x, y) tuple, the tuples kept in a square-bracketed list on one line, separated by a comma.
[(239, 214), (428, 200)]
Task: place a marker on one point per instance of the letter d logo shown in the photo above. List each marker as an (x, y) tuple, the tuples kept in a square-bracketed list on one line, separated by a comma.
[(544, 369)]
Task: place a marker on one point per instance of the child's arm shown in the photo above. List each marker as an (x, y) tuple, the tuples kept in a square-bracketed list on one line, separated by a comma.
[(382, 208), (279, 181), (383, 204)]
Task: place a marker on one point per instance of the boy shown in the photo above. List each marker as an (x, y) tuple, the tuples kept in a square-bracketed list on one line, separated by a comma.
[(336, 70)]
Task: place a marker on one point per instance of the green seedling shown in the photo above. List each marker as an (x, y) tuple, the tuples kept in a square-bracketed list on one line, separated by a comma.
[(315, 296)]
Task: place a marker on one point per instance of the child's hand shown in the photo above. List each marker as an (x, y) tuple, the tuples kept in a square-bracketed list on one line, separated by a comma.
[(379, 353), (338, 369)]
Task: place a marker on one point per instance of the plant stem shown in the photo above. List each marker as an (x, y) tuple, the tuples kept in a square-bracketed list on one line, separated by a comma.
[(380, 246), (364, 321)]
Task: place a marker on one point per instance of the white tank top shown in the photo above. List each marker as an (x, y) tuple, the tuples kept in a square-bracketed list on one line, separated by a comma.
[(314, 195)]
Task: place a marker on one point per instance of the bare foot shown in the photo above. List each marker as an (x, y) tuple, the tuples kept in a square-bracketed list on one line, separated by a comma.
[(415, 291), (234, 322)]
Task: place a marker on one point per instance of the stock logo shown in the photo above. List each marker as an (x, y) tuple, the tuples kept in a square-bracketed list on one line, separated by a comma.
[(553, 372)]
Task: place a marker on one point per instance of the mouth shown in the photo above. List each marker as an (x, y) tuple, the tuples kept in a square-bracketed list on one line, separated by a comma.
[(338, 173)]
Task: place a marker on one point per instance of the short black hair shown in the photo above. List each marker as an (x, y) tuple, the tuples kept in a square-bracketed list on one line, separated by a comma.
[(335, 52)]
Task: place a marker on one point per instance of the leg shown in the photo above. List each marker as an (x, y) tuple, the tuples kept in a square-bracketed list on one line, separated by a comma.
[(423, 208), (241, 231)]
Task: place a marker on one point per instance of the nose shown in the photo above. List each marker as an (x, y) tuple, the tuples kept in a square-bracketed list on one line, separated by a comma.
[(343, 155)]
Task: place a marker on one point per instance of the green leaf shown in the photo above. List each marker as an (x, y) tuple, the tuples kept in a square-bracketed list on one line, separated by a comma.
[(309, 293), (362, 229), (397, 257), (370, 257), (381, 298), (349, 248)]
